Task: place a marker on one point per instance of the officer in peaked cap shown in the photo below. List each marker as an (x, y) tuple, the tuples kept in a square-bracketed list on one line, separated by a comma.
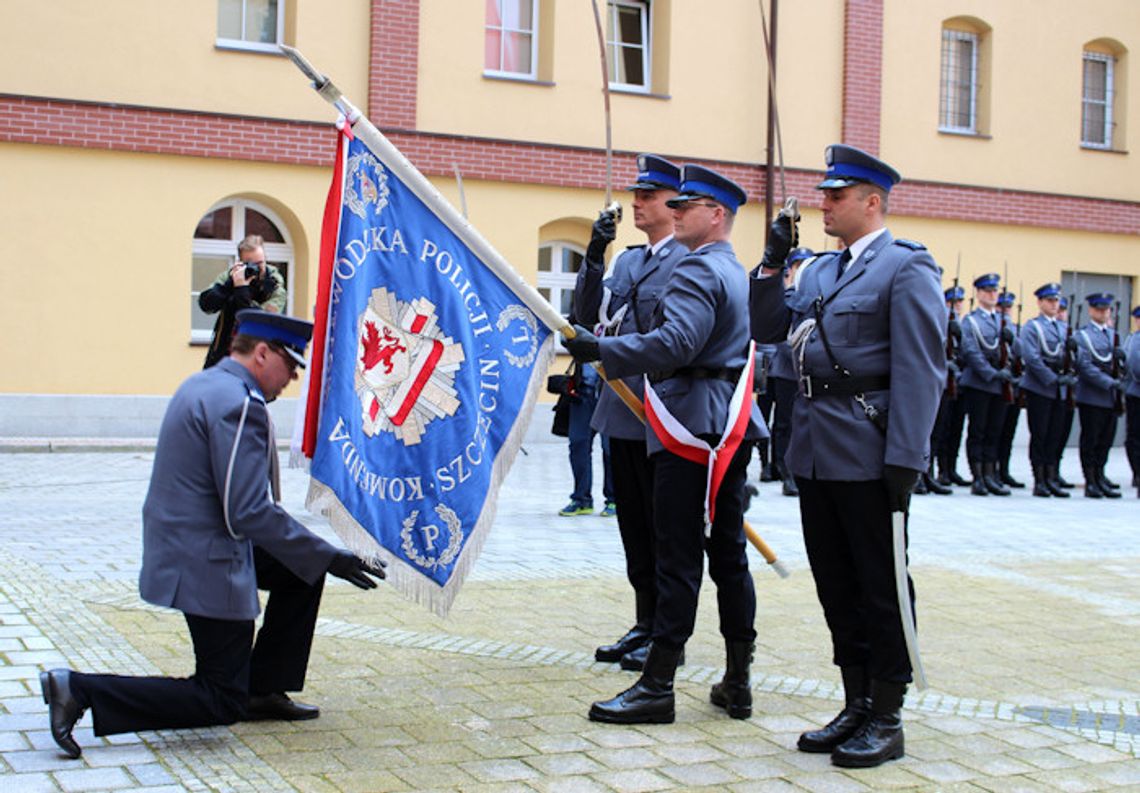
[(1067, 426), (695, 353), (983, 382), (868, 329), (1012, 413), (1045, 384), (946, 438), (212, 536), (1097, 394), (625, 303)]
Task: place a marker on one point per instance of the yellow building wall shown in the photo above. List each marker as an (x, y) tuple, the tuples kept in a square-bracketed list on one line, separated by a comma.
[(162, 53), (1034, 79)]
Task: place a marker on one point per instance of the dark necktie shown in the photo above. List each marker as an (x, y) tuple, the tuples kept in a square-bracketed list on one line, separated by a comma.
[(844, 260)]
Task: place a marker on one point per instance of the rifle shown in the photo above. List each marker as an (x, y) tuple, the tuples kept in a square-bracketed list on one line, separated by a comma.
[(1003, 347), (1069, 363), (1117, 394), (951, 338), (1018, 364)]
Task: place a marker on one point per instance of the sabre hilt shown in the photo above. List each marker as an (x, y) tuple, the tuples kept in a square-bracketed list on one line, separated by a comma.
[(613, 209)]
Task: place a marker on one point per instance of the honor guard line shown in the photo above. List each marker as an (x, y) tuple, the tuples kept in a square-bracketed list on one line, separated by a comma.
[(428, 193)]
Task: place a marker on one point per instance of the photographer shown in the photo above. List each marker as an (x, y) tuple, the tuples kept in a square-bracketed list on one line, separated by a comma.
[(248, 283)]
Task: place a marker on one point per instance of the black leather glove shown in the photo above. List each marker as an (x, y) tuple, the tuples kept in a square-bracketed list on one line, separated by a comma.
[(1121, 356), (355, 570), (1071, 346), (954, 329), (954, 369), (1004, 376), (1120, 385), (583, 347), (900, 482), (1066, 379), (782, 237), (1007, 334), (605, 229)]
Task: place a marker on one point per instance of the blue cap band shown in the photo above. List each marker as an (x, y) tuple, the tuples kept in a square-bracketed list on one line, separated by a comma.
[(712, 191), (268, 332), (859, 172), (659, 178)]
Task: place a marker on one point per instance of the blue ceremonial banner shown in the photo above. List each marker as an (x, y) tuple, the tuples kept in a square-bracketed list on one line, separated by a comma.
[(430, 368)]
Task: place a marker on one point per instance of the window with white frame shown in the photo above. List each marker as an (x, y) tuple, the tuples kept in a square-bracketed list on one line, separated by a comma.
[(1096, 100), (214, 250), (251, 24), (958, 106), (627, 44), (511, 38), (558, 264)]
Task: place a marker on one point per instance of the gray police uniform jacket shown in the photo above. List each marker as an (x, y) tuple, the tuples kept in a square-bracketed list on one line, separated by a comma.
[(884, 316), (1132, 365), (637, 283), (701, 321), (981, 351), (190, 560), (1094, 362), (1042, 356)]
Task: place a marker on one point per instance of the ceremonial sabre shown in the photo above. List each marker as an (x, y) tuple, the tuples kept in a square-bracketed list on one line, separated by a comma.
[(906, 608), (606, 97)]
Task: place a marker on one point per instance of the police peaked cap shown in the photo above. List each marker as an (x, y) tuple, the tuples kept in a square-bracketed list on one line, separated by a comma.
[(291, 333), (1136, 312), (955, 293), (1051, 289), (988, 281), (1064, 302), (1099, 299), (656, 173), (798, 255), (699, 182), (847, 165), (1006, 299)]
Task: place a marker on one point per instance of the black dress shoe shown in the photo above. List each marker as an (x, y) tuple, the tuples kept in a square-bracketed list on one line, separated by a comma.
[(278, 707), (635, 638), (634, 660), (790, 486), (648, 701), (767, 474), (879, 739), (63, 709)]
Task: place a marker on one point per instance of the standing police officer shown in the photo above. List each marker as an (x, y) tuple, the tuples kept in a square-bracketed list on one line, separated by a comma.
[(212, 536), (625, 303), (696, 356), (869, 335), (946, 439), (1095, 394), (1012, 415), (983, 381), (1042, 383), (1132, 399)]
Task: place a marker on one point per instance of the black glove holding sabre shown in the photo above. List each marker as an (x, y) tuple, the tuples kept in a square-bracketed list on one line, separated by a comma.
[(783, 235), (355, 570), (604, 231), (899, 482)]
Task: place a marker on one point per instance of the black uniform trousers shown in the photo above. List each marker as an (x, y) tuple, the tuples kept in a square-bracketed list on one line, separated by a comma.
[(228, 666), (1132, 433), (947, 439), (1098, 428), (633, 493), (784, 391), (1046, 418), (986, 412), (849, 542), (1008, 430), (766, 403), (678, 516), (1066, 431)]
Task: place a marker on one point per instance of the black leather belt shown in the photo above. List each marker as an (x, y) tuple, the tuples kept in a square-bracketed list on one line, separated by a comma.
[(812, 387), (697, 373)]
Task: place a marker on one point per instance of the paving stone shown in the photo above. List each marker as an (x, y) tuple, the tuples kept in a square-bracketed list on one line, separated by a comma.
[(27, 783), (635, 781), (94, 779), (500, 770)]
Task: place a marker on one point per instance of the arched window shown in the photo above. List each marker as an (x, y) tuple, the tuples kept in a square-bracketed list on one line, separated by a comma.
[(558, 264), (215, 248), (965, 85), (1103, 67)]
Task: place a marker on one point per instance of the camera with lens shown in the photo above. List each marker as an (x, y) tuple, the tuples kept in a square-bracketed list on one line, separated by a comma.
[(252, 271)]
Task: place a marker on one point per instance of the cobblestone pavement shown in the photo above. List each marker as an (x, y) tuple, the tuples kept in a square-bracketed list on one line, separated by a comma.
[(1029, 620)]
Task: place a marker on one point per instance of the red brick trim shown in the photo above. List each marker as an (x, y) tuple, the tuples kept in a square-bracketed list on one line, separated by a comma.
[(53, 122), (862, 73), (393, 63)]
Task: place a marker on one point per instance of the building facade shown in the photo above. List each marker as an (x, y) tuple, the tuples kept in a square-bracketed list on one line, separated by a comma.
[(140, 141)]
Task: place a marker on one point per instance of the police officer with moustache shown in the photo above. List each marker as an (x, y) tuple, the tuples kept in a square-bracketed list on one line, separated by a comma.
[(1067, 422), (625, 303), (1095, 395), (946, 438), (1132, 399), (982, 384), (696, 357), (213, 536), (1043, 382), (1009, 421), (868, 332)]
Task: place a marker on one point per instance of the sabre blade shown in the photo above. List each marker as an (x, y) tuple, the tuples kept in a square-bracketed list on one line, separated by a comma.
[(906, 609)]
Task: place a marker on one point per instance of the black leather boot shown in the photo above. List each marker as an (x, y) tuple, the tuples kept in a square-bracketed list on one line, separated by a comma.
[(955, 478), (1110, 489), (650, 699), (944, 472), (978, 486), (1092, 484), (734, 691), (1006, 478), (990, 478), (635, 637), (920, 486), (1040, 488), (881, 737), (766, 473), (933, 485), (850, 719), (1061, 481), (790, 487), (1051, 482), (634, 660)]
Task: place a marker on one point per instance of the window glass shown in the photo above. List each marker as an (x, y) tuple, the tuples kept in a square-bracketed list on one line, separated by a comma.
[(557, 285), (249, 21), (959, 80), (509, 37), (627, 27), (257, 223), (1096, 105), (216, 225)]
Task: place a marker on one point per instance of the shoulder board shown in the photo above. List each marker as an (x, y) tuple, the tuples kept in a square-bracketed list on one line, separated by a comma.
[(634, 247), (914, 246)]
